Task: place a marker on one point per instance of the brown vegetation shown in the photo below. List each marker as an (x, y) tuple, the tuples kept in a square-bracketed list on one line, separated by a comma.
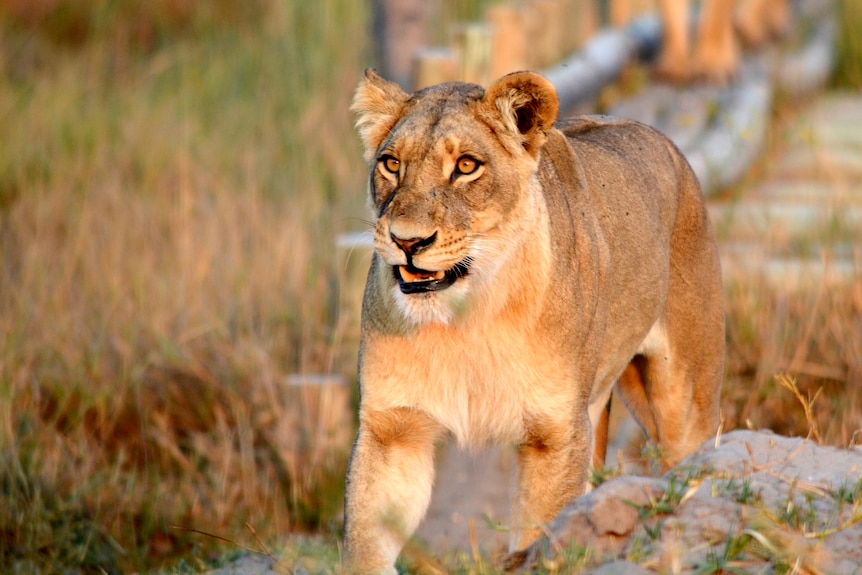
[(164, 219), (171, 180)]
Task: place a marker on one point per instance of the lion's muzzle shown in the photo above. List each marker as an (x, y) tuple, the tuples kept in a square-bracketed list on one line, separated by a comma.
[(414, 280)]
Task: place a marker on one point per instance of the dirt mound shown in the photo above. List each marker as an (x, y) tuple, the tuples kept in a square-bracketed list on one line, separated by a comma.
[(758, 502)]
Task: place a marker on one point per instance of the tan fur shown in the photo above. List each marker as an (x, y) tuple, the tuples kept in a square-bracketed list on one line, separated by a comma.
[(714, 56), (591, 260)]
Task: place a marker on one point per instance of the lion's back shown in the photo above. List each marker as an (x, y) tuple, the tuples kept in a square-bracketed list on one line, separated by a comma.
[(627, 184), (631, 175), (598, 139), (630, 165)]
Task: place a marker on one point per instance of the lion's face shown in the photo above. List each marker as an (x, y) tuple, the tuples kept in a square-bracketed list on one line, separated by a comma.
[(450, 183)]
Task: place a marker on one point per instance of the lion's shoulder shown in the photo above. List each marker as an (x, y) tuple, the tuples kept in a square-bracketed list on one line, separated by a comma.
[(597, 139), (574, 125), (584, 127)]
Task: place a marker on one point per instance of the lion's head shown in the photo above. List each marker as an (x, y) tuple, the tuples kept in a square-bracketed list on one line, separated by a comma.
[(451, 183)]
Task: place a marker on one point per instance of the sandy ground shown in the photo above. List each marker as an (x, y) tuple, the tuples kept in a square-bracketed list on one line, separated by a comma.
[(753, 501), (473, 491)]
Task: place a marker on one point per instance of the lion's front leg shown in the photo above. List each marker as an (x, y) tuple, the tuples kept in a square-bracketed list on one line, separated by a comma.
[(552, 470), (388, 486)]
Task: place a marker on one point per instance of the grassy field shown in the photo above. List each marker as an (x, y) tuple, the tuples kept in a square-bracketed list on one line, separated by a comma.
[(171, 182), (170, 188)]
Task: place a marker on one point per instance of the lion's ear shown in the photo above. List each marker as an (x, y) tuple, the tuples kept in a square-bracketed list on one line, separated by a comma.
[(528, 104), (378, 105)]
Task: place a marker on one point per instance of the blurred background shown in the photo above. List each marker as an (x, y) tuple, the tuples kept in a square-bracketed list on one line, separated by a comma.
[(177, 313)]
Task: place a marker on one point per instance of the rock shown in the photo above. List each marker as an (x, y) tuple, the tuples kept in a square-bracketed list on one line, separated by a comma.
[(612, 515), (619, 568), (758, 499), (248, 565)]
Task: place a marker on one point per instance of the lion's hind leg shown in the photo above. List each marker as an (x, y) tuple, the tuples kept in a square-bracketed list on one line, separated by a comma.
[(631, 389), (672, 386), (600, 416), (673, 396)]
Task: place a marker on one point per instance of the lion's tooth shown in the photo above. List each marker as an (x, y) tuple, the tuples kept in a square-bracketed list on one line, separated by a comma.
[(419, 275)]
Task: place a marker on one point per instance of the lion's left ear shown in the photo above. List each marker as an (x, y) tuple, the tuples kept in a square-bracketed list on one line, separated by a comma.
[(378, 105), (528, 104)]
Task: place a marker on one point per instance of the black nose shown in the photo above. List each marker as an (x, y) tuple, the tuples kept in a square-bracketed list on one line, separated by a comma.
[(413, 246)]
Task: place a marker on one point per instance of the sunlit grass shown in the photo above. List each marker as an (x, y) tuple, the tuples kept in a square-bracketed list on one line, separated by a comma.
[(814, 334), (165, 213), (849, 49), (171, 182)]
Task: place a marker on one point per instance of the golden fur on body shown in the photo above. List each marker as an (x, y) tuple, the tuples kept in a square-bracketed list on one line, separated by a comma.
[(521, 272)]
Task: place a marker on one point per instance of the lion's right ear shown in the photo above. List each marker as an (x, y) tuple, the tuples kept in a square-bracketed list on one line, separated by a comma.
[(378, 105)]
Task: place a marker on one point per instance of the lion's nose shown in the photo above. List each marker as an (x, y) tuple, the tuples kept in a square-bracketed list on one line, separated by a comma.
[(413, 246)]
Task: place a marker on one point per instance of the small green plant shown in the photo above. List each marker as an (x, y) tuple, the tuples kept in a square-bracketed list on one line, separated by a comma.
[(679, 488), (849, 492), (654, 508), (724, 558), (651, 454), (742, 492), (599, 476), (642, 548), (571, 558), (746, 494), (799, 517)]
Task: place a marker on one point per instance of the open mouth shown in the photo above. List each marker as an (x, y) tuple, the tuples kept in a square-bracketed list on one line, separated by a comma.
[(414, 280)]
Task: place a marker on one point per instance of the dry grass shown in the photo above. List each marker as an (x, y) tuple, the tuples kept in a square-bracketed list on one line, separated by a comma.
[(849, 72), (815, 336), (164, 216), (812, 335), (171, 180)]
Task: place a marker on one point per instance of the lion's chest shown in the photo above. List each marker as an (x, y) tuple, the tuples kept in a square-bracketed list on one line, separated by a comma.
[(480, 386)]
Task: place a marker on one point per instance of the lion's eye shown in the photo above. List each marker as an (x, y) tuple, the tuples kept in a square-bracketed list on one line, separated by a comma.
[(391, 164), (466, 165)]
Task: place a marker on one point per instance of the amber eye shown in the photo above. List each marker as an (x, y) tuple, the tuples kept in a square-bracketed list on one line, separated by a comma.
[(391, 164), (466, 165)]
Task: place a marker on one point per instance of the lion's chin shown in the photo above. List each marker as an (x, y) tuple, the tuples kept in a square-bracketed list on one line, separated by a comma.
[(412, 280), (440, 307)]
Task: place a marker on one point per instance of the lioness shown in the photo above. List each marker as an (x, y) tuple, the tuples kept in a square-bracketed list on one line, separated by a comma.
[(521, 272)]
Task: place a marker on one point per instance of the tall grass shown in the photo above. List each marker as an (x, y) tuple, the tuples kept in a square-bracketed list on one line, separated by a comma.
[(849, 49), (813, 333), (166, 204), (815, 336), (172, 175)]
